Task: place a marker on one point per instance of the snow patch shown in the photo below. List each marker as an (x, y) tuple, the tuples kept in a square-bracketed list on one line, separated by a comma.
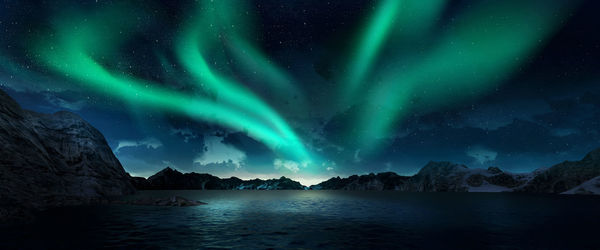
[(589, 187)]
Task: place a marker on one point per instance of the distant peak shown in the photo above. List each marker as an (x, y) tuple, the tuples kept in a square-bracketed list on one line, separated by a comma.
[(167, 170), (494, 170), (593, 156)]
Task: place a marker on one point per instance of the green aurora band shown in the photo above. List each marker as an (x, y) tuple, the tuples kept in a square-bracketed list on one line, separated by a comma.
[(221, 20), (487, 44), (78, 42), (401, 63), (406, 19), (370, 43)]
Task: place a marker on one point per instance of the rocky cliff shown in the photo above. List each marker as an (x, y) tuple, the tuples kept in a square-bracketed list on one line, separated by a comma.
[(169, 178), (52, 160)]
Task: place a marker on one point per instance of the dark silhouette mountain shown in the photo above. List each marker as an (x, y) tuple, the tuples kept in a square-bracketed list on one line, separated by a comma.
[(53, 160), (578, 177), (438, 177), (169, 178), (433, 177), (565, 176), (381, 181)]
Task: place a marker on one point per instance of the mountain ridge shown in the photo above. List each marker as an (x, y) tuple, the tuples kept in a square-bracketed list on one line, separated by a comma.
[(172, 179), (569, 177), (440, 176)]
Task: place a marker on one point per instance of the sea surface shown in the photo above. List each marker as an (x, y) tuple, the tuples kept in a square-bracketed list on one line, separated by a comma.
[(322, 219)]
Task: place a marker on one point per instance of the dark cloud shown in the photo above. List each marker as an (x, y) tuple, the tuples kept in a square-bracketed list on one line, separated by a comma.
[(517, 134), (257, 154)]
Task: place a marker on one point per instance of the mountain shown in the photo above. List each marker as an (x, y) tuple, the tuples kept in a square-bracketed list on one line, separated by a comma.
[(381, 181), (169, 178), (434, 177), (565, 176), (439, 177), (574, 177), (577, 177), (53, 160)]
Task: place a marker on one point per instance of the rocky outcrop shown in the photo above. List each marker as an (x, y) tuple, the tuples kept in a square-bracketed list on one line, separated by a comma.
[(589, 187), (565, 176), (169, 178), (52, 160)]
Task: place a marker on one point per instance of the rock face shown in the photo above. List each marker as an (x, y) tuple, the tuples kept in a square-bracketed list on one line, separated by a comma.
[(439, 177), (169, 178), (565, 176), (589, 187), (52, 160)]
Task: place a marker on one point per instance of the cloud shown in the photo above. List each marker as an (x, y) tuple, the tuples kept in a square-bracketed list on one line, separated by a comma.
[(329, 165), (492, 116), (357, 158), (482, 155), (287, 164), (561, 132), (388, 166), (60, 102), (186, 133), (169, 164), (218, 153), (150, 143)]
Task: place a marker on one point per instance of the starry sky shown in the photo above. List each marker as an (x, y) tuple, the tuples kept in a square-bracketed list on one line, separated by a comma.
[(314, 89)]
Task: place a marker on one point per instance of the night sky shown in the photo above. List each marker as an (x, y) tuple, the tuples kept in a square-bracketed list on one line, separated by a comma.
[(314, 89)]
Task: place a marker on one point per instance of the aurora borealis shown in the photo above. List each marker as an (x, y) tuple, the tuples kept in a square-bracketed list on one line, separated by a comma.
[(313, 89), (80, 39)]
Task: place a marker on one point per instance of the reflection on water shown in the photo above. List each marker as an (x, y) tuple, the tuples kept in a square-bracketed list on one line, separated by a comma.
[(322, 219)]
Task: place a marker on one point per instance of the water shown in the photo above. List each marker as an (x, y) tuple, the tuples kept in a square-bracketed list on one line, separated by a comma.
[(323, 219)]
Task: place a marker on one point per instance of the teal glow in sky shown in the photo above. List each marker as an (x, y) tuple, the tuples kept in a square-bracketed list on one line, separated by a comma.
[(484, 46), (81, 41), (305, 89)]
